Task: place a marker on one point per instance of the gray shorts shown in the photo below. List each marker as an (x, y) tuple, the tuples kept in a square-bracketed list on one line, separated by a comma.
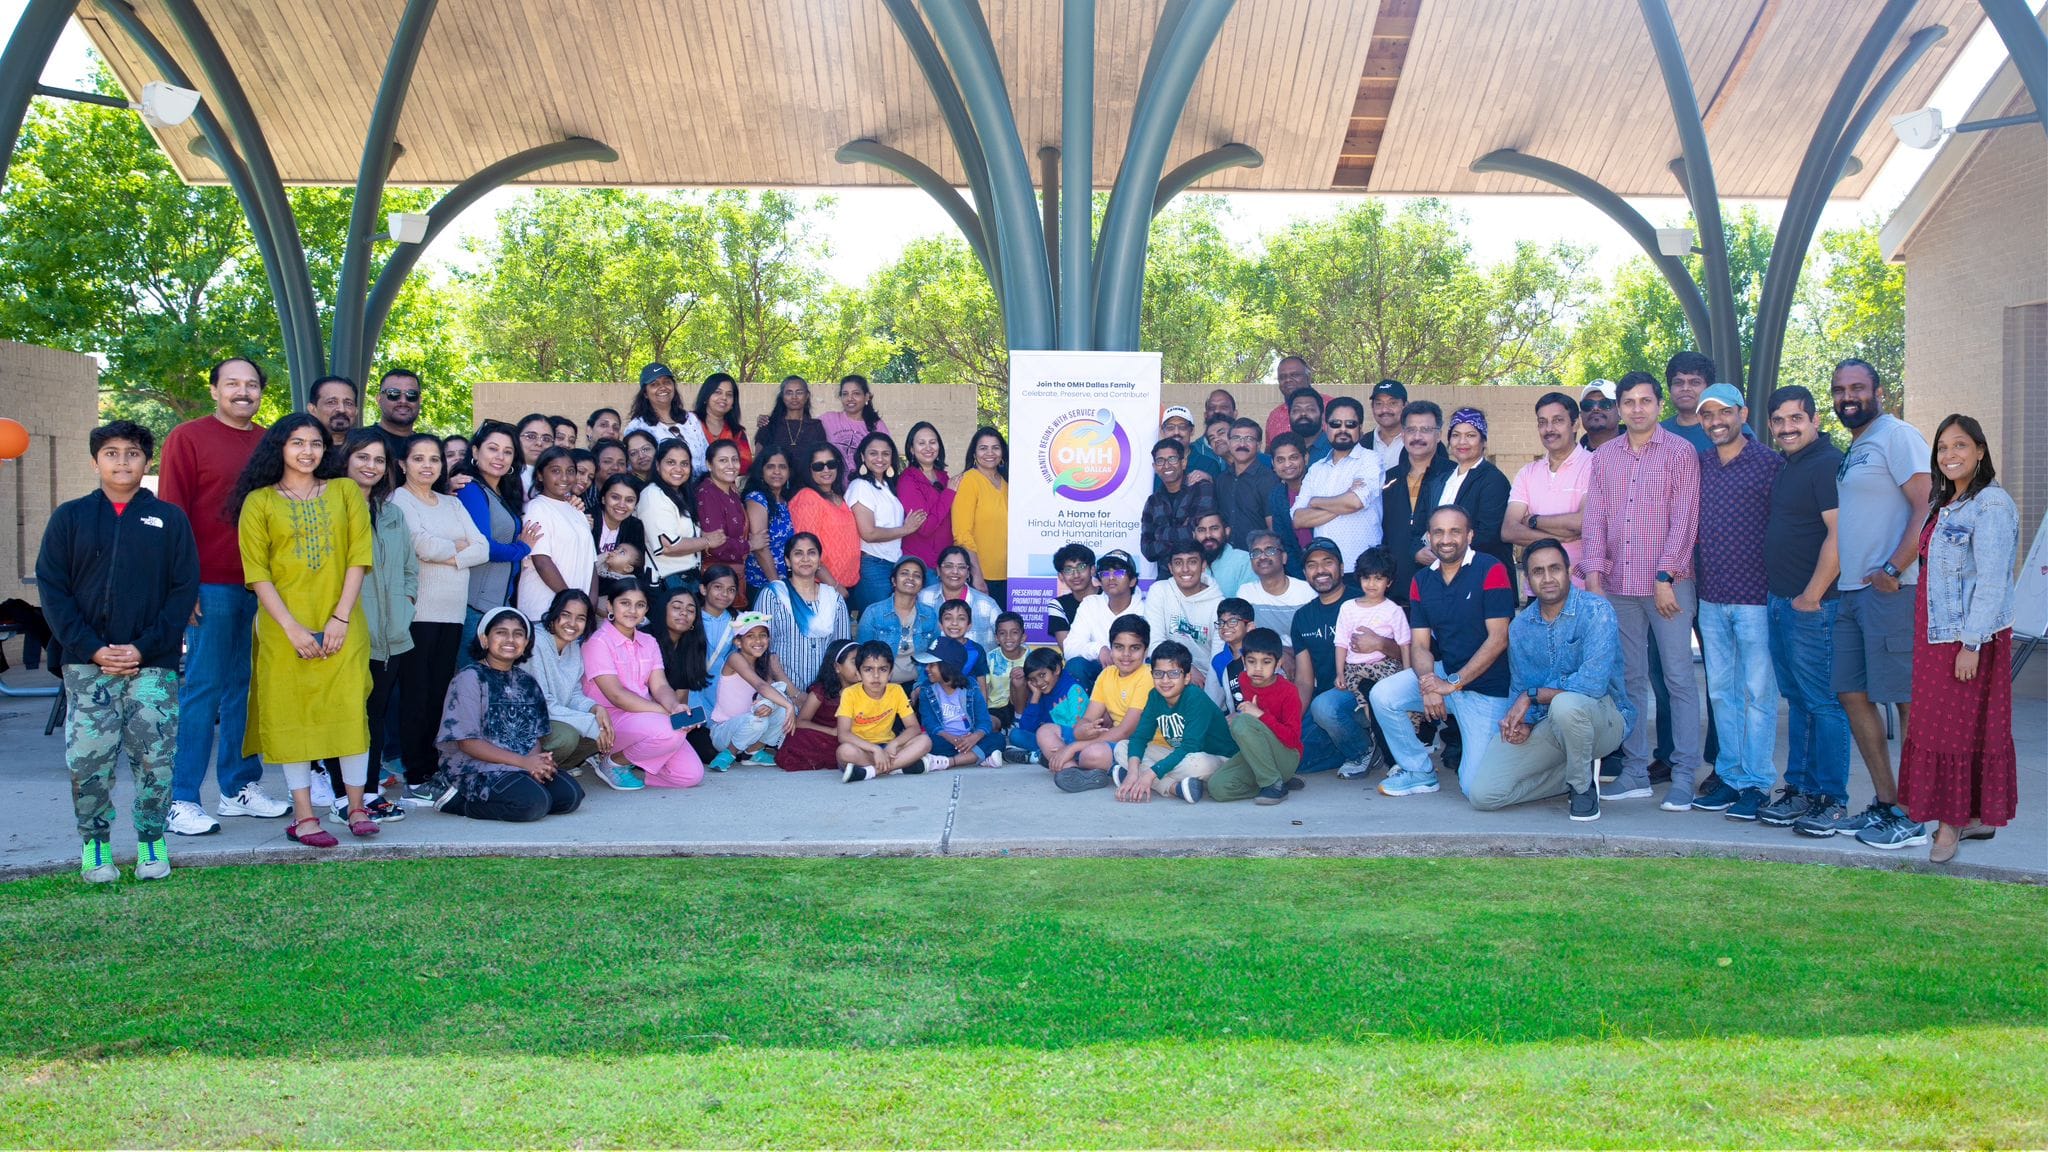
[(1874, 644)]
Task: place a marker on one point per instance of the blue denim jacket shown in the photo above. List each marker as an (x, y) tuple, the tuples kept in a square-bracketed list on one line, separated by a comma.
[(933, 716), (878, 621), (1578, 652), (1969, 568)]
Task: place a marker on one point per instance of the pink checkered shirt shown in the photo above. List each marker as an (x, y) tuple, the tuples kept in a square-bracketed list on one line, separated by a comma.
[(1642, 513)]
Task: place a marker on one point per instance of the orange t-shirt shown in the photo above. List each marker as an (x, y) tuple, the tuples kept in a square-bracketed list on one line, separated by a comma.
[(833, 525)]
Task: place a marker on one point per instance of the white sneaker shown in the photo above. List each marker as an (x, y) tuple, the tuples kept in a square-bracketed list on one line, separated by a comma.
[(189, 819), (1354, 769), (323, 790), (252, 800)]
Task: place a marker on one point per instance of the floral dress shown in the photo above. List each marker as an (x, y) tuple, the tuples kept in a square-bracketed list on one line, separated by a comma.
[(779, 533)]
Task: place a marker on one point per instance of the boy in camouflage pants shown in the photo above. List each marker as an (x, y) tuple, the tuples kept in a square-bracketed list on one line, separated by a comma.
[(119, 576)]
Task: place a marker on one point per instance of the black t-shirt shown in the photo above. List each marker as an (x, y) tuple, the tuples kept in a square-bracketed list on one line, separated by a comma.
[(1456, 614), (1315, 625), (1804, 489), (1060, 617)]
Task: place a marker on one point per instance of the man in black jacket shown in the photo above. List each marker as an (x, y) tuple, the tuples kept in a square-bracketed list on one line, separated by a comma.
[(1423, 463), (119, 576)]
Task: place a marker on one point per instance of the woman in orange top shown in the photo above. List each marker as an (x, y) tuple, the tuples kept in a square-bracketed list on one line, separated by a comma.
[(821, 509), (981, 513)]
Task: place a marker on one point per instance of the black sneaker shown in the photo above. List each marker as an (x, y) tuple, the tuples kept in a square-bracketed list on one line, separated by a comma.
[(1660, 772), (856, 773), (384, 811), (1189, 790), (1296, 784), (1894, 829), (1013, 755), (1080, 779), (1834, 816), (1716, 798), (1272, 795), (1585, 803), (1788, 805), (1748, 803)]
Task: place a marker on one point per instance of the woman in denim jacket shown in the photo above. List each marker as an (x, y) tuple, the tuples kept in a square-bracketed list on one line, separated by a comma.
[(1958, 765), (902, 622)]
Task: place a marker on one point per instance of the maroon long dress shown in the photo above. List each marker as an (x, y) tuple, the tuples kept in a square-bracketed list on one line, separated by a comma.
[(1958, 764), (806, 751)]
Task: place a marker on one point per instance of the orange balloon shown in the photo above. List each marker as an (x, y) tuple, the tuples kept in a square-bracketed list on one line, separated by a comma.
[(13, 439)]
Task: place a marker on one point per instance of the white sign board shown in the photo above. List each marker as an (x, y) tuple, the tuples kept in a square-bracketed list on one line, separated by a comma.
[(2030, 594), (1081, 431)]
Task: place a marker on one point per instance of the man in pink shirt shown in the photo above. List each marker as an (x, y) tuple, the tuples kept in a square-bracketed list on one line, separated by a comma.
[(1545, 499), (1293, 375)]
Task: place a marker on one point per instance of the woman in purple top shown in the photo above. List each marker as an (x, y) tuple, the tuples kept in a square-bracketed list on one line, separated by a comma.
[(923, 487), (719, 507), (856, 418)]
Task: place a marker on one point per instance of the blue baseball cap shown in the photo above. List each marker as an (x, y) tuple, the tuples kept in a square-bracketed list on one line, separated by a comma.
[(653, 372), (1722, 394)]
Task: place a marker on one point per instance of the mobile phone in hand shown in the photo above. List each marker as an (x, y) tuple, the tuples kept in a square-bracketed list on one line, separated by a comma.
[(687, 718)]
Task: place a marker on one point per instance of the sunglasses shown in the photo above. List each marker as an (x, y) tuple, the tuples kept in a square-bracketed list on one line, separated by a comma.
[(1590, 405), (395, 394), (824, 466), (1342, 423)]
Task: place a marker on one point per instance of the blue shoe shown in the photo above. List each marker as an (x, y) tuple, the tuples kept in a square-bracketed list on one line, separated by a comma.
[(1834, 817), (1894, 829), (618, 776), (720, 762), (1719, 799), (1747, 804), (1402, 782), (763, 757), (1189, 790)]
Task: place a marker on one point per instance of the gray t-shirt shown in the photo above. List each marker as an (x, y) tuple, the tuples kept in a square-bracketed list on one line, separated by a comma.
[(1873, 512)]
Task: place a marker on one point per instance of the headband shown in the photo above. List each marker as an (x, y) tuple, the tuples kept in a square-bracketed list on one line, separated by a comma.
[(1472, 416), (483, 626)]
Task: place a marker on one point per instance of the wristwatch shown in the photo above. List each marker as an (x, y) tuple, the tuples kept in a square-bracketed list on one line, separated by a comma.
[(1452, 680), (1892, 570), (1666, 578), (1969, 647), (1531, 522), (1533, 699)]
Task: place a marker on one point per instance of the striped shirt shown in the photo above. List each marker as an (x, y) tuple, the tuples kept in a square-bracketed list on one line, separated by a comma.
[(1642, 513)]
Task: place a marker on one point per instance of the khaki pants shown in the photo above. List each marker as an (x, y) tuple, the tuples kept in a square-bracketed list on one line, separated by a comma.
[(568, 746), (1193, 766), (1561, 751)]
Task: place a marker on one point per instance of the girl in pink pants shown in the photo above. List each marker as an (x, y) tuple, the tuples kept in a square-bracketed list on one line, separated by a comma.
[(622, 673)]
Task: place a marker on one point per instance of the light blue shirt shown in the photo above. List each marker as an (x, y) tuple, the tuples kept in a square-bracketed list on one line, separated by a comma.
[(1580, 652)]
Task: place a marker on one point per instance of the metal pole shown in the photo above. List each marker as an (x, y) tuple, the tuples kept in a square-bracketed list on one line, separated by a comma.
[(953, 110), (1618, 210), (1120, 269), (347, 342), (1027, 293), (21, 67), (451, 205), (304, 355), (1076, 260), (1699, 184), (78, 97), (933, 185), (2027, 44), (1842, 124), (1049, 219), (1207, 164)]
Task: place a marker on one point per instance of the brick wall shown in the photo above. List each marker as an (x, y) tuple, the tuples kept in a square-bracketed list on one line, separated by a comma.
[(56, 396), (1978, 261)]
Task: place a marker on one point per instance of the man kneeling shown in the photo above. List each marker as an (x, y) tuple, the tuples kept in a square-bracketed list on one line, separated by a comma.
[(1570, 704)]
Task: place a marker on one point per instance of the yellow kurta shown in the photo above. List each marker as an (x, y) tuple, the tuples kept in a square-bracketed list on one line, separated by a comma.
[(981, 523), (307, 709)]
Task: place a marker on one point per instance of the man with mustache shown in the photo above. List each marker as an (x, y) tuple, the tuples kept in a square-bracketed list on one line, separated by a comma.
[(1597, 415), (1339, 494)]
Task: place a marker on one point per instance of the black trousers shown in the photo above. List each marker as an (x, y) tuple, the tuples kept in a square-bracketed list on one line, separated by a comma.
[(516, 797), (423, 678), (383, 674)]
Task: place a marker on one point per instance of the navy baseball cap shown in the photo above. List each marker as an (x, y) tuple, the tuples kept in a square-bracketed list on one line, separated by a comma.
[(1323, 544), (944, 650), (653, 372), (1394, 388), (1116, 561)]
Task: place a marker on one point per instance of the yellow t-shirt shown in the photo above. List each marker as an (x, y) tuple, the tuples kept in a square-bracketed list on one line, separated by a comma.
[(873, 719), (1120, 693)]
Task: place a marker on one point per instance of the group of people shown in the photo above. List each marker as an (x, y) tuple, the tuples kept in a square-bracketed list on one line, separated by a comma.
[(475, 623)]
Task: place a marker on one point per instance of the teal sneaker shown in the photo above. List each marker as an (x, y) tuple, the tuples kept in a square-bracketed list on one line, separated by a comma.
[(721, 762), (1402, 782), (96, 863), (619, 776), (763, 757), (152, 860)]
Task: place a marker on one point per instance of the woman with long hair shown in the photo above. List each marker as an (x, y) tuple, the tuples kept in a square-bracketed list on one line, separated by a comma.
[(613, 524), (721, 510), (390, 592), (981, 512), (306, 547), (791, 426), (716, 595), (536, 435), (611, 460), (563, 555), (640, 446), (718, 415), (820, 509), (496, 502), (768, 531), (658, 410), (1958, 765), (901, 621), (448, 547), (855, 420), (813, 741), (668, 515), (455, 451), (622, 672), (805, 614), (879, 518), (577, 728), (925, 487), (677, 625), (493, 732)]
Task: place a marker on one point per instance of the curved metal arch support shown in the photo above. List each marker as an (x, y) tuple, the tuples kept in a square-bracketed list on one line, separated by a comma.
[(379, 153), (1126, 225), (1207, 164), (213, 144), (1699, 184), (452, 204), (1074, 325), (931, 184), (1019, 236), (304, 353), (1843, 123), (21, 67), (2027, 43), (1640, 230), (953, 110)]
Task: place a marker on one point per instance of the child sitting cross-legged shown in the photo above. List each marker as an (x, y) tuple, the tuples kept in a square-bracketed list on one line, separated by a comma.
[(753, 713), (1181, 738), (1265, 722), (1052, 699), (1081, 759), (954, 711), (878, 730), (813, 743), (1004, 680)]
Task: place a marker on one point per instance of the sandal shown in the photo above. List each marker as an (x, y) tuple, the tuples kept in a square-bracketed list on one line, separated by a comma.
[(318, 838), (1975, 831), (360, 824)]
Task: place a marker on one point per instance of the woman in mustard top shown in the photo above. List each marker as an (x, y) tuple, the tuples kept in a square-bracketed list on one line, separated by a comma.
[(981, 513), (306, 545)]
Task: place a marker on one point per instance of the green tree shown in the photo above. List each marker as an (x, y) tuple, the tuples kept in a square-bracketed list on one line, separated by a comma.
[(933, 306), (1200, 310), (763, 278)]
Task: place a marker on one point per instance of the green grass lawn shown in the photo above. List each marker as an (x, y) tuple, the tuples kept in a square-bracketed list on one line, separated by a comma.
[(1025, 1002)]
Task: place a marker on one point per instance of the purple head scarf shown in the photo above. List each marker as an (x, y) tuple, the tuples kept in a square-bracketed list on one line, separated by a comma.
[(1472, 416)]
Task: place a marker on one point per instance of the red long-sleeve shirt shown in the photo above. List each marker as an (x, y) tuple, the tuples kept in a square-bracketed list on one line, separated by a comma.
[(201, 461), (1280, 706)]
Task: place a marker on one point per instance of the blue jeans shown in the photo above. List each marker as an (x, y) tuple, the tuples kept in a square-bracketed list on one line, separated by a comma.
[(873, 586), (216, 690), (1736, 641), (1817, 731), (1478, 723), (1335, 732)]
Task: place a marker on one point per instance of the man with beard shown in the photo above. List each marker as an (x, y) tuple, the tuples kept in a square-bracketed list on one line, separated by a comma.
[(1293, 377), (1325, 702), (1424, 462), (1686, 377), (1547, 496), (1272, 593), (1229, 568), (398, 408), (1168, 520), (1389, 397), (332, 401), (1305, 419), (1884, 484), (1245, 487), (1597, 415), (1338, 494)]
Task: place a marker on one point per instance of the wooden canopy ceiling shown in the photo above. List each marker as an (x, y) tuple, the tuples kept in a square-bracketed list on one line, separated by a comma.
[(1395, 96)]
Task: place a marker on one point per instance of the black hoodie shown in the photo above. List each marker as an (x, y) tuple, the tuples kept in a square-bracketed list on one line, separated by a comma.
[(127, 579)]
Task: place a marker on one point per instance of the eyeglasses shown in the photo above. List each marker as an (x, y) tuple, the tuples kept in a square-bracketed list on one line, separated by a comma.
[(824, 466), (1077, 568), (1267, 552), (1590, 405), (1342, 423), (395, 394)]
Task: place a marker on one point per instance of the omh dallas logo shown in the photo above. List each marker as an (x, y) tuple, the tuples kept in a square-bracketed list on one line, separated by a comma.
[(1084, 454)]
